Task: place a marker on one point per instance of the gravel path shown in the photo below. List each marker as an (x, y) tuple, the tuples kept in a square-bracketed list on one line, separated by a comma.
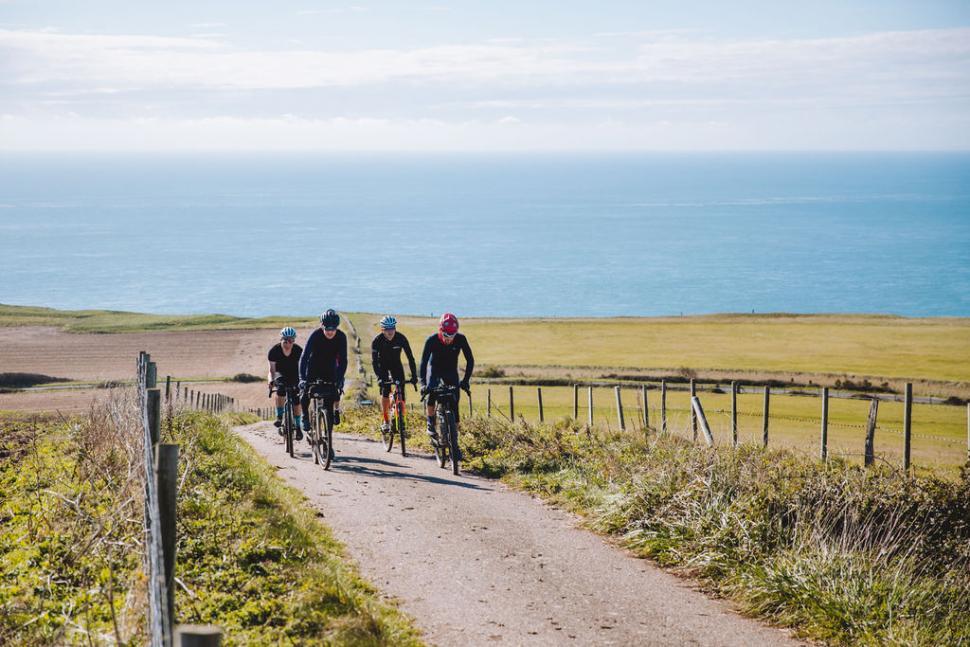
[(477, 563)]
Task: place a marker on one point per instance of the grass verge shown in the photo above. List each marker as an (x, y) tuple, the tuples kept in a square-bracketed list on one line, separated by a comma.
[(253, 558), (841, 554)]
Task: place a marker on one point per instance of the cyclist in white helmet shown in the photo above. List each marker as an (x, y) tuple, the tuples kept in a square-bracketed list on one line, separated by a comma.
[(386, 355), (284, 360)]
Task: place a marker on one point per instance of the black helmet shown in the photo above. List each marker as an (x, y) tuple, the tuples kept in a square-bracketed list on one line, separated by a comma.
[(330, 319)]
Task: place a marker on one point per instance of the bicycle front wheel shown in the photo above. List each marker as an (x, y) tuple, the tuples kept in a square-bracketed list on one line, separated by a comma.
[(323, 448), (401, 425), (452, 436), (288, 429), (441, 446)]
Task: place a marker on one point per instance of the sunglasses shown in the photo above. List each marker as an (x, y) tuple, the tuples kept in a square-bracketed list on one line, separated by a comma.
[(329, 329), (447, 336), (288, 341)]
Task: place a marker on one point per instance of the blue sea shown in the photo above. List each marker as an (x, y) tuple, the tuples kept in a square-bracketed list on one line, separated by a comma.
[(542, 235)]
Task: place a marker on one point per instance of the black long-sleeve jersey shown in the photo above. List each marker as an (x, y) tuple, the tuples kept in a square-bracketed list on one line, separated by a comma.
[(443, 360), (386, 356)]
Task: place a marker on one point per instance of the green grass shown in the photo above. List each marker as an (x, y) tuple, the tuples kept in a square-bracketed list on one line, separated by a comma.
[(844, 555), (252, 555), (110, 321)]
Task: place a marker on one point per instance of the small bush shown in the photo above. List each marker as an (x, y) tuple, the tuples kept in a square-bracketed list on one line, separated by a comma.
[(24, 380), (245, 377), (492, 371)]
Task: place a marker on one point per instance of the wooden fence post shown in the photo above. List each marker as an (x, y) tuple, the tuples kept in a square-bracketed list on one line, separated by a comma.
[(151, 375), (646, 406), (824, 449), (693, 416), (871, 432), (471, 410), (663, 406), (589, 413), (154, 414), (734, 413), (764, 431), (489, 407), (197, 636), (168, 387), (511, 403), (166, 475), (575, 402), (619, 409), (198, 399), (695, 405), (907, 425), (178, 389), (542, 417)]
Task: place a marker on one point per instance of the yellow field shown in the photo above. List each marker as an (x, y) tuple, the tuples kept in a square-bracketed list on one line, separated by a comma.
[(880, 346)]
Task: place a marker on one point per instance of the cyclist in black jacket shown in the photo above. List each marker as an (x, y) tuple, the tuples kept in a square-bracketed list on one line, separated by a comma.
[(324, 358), (439, 362), (386, 356)]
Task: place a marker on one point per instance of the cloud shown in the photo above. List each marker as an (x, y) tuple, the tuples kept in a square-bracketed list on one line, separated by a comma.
[(889, 59), (642, 90)]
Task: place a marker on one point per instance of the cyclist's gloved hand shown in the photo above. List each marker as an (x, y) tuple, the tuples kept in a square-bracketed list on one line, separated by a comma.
[(302, 385), (465, 386)]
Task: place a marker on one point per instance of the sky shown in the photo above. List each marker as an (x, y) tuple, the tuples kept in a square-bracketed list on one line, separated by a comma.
[(453, 75)]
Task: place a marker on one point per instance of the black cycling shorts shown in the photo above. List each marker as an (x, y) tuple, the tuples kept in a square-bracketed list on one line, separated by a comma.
[(386, 386), (432, 400), (294, 394)]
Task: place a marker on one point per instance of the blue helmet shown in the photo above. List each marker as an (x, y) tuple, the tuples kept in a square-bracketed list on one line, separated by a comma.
[(388, 322), (288, 333), (330, 319)]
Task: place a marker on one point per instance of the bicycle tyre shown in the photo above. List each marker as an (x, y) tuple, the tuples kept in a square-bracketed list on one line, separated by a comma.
[(315, 439), (326, 447), (288, 428), (401, 424), (440, 451), (452, 436)]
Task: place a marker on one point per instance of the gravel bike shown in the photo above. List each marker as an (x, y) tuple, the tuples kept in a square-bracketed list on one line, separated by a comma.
[(289, 392), (323, 396), (446, 418), (398, 422)]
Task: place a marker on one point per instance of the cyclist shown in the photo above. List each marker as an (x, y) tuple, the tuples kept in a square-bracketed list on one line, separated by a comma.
[(324, 358), (284, 359), (439, 363), (386, 355)]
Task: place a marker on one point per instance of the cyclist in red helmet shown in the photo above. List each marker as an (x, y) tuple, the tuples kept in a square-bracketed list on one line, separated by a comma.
[(439, 362)]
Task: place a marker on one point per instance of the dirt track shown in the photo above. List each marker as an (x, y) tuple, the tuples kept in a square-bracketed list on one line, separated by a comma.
[(477, 563)]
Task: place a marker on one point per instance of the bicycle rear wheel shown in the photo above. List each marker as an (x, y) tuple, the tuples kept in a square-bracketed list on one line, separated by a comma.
[(452, 436)]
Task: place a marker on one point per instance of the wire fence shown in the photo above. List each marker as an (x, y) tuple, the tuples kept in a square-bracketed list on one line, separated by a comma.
[(933, 432), (161, 491)]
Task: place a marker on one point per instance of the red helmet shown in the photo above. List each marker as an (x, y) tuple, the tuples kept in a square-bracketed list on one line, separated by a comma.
[(448, 324)]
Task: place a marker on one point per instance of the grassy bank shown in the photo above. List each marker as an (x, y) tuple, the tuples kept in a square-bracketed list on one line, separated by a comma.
[(843, 555), (252, 557), (111, 321)]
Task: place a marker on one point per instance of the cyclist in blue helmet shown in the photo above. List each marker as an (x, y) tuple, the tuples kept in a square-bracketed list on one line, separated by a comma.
[(325, 358), (386, 357), (284, 360)]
